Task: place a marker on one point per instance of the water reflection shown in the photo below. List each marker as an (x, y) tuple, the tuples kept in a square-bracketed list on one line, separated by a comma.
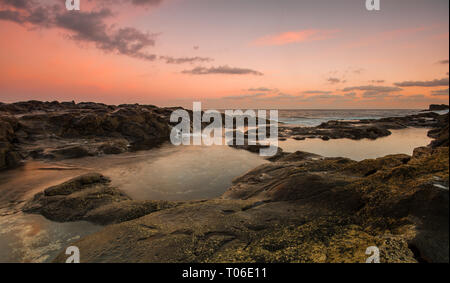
[(401, 141), (168, 172)]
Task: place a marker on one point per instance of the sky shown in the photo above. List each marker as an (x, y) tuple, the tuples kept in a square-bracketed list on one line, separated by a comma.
[(227, 54)]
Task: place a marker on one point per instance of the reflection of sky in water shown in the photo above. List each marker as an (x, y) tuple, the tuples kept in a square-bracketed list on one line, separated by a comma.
[(180, 173), (400, 141), (32, 238), (168, 172)]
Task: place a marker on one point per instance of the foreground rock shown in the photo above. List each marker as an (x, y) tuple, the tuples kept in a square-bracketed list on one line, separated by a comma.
[(90, 197), (301, 208)]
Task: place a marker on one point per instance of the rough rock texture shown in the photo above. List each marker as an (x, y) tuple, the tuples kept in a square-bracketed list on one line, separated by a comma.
[(300, 208), (90, 197), (9, 156), (356, 130), (440, 134), (53, 130), (438, 107)]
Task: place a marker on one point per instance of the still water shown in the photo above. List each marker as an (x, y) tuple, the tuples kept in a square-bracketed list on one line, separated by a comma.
[(167, 172)]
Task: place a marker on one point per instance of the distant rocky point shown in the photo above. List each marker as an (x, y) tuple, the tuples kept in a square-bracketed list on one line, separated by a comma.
[(438, 107)]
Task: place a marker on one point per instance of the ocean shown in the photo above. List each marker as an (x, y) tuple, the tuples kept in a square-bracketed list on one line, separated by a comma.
[(311, 118)]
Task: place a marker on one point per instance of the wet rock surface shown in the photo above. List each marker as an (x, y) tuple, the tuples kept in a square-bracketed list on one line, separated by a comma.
[(440, 133), (9, 155), (55, 131), (300, 208), (362, 129), (90, 197)]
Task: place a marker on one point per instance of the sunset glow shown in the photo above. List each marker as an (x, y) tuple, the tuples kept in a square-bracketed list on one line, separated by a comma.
[(257, 54)]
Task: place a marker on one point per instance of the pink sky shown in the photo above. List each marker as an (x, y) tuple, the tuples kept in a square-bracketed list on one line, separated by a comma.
[(227, 54)]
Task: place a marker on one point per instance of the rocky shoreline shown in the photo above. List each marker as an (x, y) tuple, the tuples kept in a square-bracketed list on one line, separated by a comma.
[(55, 131), (300, 207), (360, 129)]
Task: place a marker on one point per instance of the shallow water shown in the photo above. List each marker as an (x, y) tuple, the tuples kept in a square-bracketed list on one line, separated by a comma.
[(32, 238), (167, 172), (400, 141), (175, 173)]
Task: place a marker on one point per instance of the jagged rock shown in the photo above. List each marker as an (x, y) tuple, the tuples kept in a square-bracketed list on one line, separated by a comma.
[(438, 107), (70, 152), (53, 130), (440, 134), (370, 128), (9, 156), (114, 147)]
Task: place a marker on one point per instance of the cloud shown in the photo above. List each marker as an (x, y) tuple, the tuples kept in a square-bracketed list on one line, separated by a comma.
[(440, 92), (375, 94), (83, 26), (222, 70), (316, 92), (20, 4), (145, 2), (284, 95), (443, 62), (350, 94), (90, 27), (371, 91), (324, 96), (333, 80), (433, 83), (295, 37), (262, 89), (182, 60), (10, 15), (245, 96), (413, 98), (372, 88), (377, 81)]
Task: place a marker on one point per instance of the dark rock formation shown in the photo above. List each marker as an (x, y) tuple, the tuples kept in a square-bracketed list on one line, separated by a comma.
[(440, 134), (9, 156), (438, 107), (90, 197), (356, 130), (301, 208), (53, 130)]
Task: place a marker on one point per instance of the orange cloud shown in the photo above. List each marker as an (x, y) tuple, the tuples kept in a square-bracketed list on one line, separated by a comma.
[(295, 37)]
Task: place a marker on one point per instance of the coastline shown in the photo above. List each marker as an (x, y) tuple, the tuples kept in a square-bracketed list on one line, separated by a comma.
[(269, 214)]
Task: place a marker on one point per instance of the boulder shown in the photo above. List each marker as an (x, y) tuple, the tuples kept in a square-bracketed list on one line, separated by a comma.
[(90, 197)]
